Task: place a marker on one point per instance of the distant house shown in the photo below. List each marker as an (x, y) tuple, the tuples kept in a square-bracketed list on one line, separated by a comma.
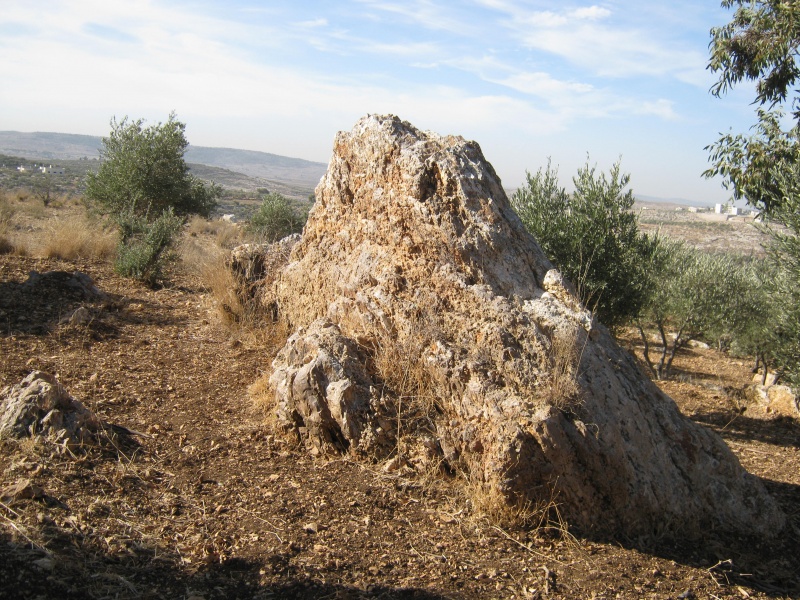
[(734, 210), (718, 208), (52, 170), (21, 169)]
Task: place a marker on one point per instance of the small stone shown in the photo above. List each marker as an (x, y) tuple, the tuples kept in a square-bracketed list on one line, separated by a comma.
[(80, 316), (22, 490), (45, 564), (311, 528)]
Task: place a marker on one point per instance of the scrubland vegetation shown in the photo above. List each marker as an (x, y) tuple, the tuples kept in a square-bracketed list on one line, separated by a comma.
[(210, 501), (669, 291), (193, 333)]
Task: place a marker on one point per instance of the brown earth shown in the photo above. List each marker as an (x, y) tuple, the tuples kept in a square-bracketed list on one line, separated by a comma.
[(207, 502), (707, 231)]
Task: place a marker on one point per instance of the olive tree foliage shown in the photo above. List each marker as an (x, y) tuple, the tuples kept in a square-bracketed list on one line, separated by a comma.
[(762, 44), (762, 334), (695, 295), (144, 184), (275, 219), (591, 236), (143, 172)]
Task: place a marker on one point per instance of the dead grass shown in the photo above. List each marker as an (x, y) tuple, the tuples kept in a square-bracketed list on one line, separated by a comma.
[(79, 236), (561, 388), (208, 264), (226, 235), (7, 211), (238, 309), (486, 502), (410, 388)]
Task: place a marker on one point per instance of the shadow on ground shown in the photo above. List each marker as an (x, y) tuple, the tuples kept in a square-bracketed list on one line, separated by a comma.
[(47, 302), (27, 572), (780, 431)]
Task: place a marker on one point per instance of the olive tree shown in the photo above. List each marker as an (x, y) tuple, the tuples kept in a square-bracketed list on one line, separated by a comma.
[(592, 236), (761, 44), (275, 219), (143, 172), (144, 184), (693, 296)]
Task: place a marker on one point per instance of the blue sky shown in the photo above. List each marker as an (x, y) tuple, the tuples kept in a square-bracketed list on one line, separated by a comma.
[(527, 79)]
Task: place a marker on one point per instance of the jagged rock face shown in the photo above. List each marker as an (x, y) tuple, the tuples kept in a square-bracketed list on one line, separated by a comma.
[(413, 247)]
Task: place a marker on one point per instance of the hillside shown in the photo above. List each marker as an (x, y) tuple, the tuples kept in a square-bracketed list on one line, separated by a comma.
[(294, 172)]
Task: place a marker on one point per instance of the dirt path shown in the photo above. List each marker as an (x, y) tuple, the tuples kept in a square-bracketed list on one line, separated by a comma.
[(208, 503)]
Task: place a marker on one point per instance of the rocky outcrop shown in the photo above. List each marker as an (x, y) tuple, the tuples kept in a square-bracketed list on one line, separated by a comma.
[(39, 405), (772, 401), (254, 267), (423, 307)]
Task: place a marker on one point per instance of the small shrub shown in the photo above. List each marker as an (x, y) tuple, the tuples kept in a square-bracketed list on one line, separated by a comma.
[(6, 247), (275, 219), (144, 247)]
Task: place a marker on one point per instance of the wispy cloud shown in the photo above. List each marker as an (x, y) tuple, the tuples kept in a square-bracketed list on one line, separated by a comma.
[(599, 40), (428, 14)]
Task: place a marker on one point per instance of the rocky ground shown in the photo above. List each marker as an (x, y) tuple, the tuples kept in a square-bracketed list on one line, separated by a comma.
[(203, 500)]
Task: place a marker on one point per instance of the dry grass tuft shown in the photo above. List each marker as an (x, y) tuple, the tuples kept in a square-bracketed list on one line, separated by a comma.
[(487, 502), (22, 195), (79, 237), (7, 211), (226, 235), (411, 392), (238, 309), (561, 388), (210, 266)]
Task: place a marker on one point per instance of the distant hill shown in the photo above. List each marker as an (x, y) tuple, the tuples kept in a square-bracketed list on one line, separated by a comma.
[(670, 201), (295, 172)]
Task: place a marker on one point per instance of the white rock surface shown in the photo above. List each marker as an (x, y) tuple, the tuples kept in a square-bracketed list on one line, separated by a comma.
[(412, 242)]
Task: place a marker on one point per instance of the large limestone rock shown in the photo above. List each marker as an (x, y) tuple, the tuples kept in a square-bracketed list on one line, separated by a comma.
[(414, 268)]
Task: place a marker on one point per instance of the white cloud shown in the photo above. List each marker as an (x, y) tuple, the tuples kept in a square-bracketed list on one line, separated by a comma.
[(425, 13), (313, 24), (661, 108), (591, 13), (604, 43)]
